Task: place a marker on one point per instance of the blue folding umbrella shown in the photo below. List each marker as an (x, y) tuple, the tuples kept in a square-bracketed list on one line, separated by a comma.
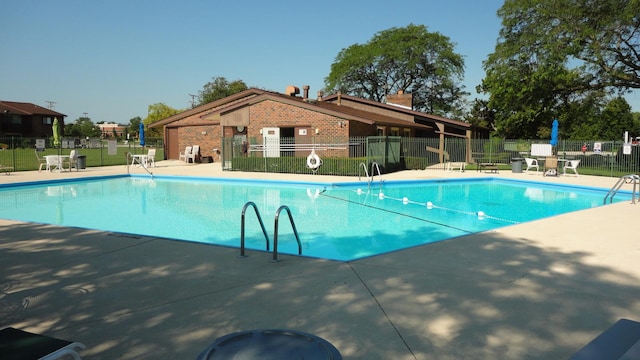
[(554, 133), (141, 134)]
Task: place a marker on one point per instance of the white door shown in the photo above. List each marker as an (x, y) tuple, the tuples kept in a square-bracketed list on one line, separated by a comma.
[(271, 141)]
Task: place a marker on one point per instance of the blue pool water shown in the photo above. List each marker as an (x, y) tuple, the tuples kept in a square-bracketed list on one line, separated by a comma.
[(342, 221)]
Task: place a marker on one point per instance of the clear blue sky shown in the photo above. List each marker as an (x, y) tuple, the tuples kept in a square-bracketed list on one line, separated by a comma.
[(112, 59)]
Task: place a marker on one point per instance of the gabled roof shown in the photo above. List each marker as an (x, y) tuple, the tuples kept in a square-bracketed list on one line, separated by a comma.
[(209, 107), (342, 112), (415, 114), (21, 108)]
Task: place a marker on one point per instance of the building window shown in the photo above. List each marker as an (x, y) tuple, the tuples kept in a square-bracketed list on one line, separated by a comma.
[(47, 120), (406, 132), (380, 131), (394, 131)]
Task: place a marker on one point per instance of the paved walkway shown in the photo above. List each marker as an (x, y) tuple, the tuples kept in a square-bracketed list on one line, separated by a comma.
[(539, 290)]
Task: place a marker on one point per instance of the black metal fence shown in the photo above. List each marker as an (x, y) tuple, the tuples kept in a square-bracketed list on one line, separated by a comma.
[(346, 156), (343, 156), (20, 152)]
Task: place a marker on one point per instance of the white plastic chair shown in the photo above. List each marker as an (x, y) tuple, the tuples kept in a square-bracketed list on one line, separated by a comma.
[(456, 165), (150, 160), (41, 160), (571, 165), (531, 163), (194, 156), (185, 155), (73, 160)]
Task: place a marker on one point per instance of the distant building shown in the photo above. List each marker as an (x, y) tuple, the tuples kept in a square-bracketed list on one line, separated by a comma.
[(27, 119), (109, 130)]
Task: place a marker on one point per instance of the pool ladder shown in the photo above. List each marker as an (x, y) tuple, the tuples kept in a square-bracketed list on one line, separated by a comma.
[(374, 166), (626, 179), (264, 230)]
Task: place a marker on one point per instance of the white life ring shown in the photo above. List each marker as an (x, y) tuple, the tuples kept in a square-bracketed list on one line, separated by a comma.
[(313, 161)]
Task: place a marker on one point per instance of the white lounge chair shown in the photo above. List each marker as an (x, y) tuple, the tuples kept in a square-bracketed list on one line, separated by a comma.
[(571, 165), (184, 156), (531, 163), (456, 165)]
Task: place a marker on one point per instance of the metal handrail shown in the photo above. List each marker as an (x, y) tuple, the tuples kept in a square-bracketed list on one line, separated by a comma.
[(626, 179), (133, 160), (366, 172), (374, 166), (275, 233), (242, 221)]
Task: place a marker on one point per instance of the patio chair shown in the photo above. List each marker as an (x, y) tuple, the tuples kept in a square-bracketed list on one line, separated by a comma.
[(41, 160), (550, 166), (150, 160), (194, 156), (531, 163), (456, 165), (571, 165), (19, 344), (73, 160), (183, 156)]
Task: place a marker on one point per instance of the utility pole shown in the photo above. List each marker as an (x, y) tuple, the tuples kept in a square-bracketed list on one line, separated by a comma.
[(193, 100), (51, 104)]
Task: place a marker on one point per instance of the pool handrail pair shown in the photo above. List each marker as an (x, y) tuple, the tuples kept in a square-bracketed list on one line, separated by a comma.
[(374, 166), (264, 230)]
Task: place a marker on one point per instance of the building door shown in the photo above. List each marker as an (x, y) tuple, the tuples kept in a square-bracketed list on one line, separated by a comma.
[(171, 148), (271, 142)]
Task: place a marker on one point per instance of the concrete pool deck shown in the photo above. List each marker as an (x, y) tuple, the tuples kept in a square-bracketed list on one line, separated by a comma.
[(539, 290)]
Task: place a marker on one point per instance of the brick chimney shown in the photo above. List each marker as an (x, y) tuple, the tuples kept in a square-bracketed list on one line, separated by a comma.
[(305, 92), (401, 99)]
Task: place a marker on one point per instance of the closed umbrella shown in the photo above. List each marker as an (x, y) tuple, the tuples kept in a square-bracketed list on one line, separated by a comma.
[(554, 133), (141, 134), (56, 132)]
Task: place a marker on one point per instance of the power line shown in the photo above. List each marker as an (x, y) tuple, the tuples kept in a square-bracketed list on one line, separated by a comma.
[(52, 104)]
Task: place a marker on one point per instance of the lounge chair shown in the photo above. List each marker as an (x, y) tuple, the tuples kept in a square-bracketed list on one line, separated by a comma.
[(150, 160), (550, 166), (6, 169), (571, 165), (456, 165), (41, 160), (184, 156), (18, 344), (194, 156), (531, 163)]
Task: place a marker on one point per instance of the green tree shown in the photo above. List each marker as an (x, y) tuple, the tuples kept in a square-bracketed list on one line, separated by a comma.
[(82, 127), (410, 59), (157, 112), (134, 126), (219, 88)]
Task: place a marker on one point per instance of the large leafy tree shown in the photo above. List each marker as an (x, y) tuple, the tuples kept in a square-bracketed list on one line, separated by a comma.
[(219, 88), (410, 59), (554, 56), (157, 112), (82, 127)]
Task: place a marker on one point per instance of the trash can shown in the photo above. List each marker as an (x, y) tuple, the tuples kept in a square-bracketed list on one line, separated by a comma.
[(516, 165), (82, 161)]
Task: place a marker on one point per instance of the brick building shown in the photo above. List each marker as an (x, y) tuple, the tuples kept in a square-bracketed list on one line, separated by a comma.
[(27, 119), (257, 116)]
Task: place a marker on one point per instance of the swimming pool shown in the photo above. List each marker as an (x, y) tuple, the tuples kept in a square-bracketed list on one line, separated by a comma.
[(338, 221)]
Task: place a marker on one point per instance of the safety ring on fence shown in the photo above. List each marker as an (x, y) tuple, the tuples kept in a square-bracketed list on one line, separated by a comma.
[(313, 161)]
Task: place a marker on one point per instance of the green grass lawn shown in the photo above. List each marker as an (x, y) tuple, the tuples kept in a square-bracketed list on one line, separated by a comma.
[(25, 159)]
